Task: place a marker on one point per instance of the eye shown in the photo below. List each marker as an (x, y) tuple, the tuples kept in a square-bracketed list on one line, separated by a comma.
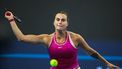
[(58, 19), (63, 20)]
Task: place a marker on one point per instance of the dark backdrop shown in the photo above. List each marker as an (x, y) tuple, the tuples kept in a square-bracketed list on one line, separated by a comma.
[(98, 21)]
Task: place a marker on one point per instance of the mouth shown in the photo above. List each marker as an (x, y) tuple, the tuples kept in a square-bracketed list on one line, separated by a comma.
[(60, 25)]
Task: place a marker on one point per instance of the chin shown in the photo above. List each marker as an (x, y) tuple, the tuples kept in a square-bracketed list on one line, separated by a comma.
[(60, 29)]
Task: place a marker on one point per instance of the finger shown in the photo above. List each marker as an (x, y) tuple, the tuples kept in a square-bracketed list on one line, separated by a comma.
[(8, 13), (111, 67), (117, 67)]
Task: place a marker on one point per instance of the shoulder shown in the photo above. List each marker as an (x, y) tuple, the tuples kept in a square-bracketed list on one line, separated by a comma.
[(74, 35), (48, 38)]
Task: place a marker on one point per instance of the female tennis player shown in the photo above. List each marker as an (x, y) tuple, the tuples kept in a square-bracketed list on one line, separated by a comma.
[(62, 44)]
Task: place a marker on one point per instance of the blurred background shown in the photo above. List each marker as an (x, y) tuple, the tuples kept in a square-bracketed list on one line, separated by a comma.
[(98, 21)]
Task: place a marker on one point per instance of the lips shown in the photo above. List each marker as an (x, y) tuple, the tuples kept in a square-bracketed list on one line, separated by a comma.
[(60, 25)]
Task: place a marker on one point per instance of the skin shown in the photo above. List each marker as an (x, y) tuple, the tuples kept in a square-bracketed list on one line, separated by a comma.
[(60, 24)]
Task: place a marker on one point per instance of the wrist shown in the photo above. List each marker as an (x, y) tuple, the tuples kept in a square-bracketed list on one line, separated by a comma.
[(11, 20)]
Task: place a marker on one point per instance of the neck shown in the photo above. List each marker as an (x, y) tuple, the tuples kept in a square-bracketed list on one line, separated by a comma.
[(61, 33)]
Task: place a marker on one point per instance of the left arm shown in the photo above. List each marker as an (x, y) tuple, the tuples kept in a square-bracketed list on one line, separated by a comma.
[(92, 52)]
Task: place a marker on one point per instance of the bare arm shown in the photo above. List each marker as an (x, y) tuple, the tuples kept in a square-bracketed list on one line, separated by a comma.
[(26, 38), (94, 53)]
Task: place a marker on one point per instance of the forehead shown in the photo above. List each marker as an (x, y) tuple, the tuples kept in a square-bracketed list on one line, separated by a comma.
[(60, 15)]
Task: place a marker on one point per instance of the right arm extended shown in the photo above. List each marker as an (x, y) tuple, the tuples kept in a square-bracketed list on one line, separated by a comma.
[(44, 38)]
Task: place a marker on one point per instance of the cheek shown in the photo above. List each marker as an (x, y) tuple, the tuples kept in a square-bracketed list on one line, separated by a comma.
[(66, 24)]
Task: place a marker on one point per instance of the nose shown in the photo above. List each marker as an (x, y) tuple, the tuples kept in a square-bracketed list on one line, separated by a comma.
[(60, 22)]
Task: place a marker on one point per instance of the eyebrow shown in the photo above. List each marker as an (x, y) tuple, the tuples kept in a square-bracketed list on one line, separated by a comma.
[(61, 18)]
